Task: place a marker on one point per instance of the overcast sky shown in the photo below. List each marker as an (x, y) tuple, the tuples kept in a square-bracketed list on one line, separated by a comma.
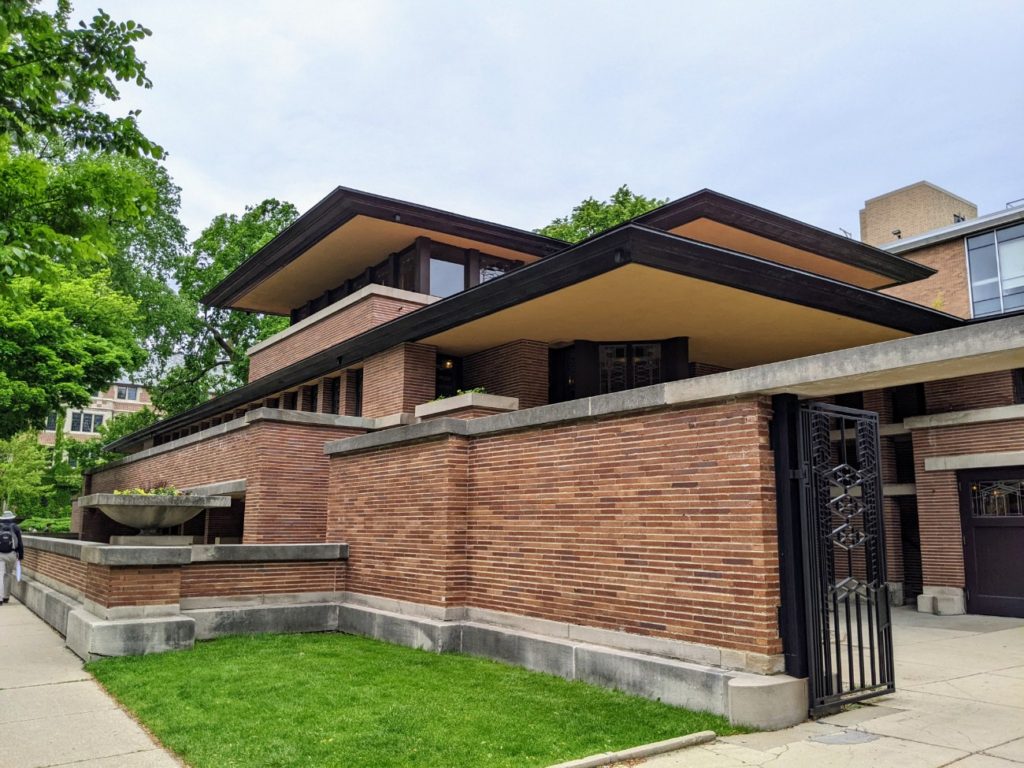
[(514, 112)]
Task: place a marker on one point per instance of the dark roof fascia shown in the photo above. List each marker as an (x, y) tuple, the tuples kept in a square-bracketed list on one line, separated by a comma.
[(624, 244), (572, 265), (760, 221), (693, 258), (344, 204)]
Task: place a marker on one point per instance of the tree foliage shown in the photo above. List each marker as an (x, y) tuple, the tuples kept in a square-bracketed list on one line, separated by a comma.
[(89, 454), (61, 341), (592, 216), (23, 463), (52, 73), (212, 344)]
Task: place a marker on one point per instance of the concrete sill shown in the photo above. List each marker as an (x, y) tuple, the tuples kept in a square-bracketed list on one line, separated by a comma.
[(467, 400)]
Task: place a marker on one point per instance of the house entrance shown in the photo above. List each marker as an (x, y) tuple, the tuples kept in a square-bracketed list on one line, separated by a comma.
[(992, 517), (846, 603)]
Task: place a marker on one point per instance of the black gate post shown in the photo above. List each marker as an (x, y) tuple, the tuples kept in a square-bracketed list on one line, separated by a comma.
[(792, 623)]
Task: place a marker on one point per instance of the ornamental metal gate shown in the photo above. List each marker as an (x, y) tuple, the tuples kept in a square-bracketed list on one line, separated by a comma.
[(849, 632)]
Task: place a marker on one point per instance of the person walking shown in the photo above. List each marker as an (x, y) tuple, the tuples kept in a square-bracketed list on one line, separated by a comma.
[(11, 551)]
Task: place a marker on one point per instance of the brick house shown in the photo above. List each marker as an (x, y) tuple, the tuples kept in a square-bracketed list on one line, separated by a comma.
[(668, 458), (84, 423)]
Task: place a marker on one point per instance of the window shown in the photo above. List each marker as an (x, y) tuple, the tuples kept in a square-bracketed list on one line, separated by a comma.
[(447, 376), (51, 422), (626, 366), (996, 264), (446, 277), (126, 392), (86, 422), (490, 267), (997, 498), (907, 401)]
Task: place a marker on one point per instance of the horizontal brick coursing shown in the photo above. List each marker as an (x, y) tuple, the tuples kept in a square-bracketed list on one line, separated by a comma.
[(938, 502), (113, 587), (236, 579), (283, 464), (517, 369), (659, 524), (399, 379), (947, 289), (986, 390), (344, 324)]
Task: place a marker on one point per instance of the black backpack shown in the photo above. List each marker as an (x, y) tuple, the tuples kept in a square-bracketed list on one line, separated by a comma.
[(8, 539)]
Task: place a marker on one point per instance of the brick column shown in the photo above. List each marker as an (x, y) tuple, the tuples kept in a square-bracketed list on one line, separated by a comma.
[(398, 380), (517, 369)]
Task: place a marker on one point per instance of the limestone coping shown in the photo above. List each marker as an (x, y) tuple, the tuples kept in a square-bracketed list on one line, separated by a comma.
[(976, 348), (363, 293), (467, 400), (127, 555)]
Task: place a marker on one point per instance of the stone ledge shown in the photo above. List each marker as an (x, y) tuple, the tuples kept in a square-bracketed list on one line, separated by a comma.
[(973, 461), (958, 418), (467, 400), (66, 547), (117, 555), (225, 488), (90, 637), (363, 293), (263, 619), (242, 553)]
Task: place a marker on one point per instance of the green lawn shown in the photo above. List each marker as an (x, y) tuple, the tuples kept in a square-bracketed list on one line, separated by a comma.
[(338, 700)]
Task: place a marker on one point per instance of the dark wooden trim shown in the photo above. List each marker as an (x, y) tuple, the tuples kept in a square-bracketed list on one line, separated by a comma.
[(792, 627), (708, 204), (344, 204), (673, 253), (650, 247)]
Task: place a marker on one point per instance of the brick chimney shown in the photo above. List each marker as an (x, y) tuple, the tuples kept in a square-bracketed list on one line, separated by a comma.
[(910, 211)]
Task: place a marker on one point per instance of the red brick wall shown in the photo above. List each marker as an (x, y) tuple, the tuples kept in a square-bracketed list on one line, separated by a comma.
[(402, 512), (659, 524), (986, 390), (283, 464), (399, 379), (938, 501), (344, 324), (517, 369), (166, 585), (236, 579), (947, 289)]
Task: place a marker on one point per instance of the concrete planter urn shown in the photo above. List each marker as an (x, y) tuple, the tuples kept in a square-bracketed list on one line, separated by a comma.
[(150, 513)]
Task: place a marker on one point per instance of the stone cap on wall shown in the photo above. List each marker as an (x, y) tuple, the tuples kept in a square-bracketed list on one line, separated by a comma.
[(466, 400), (126, 555)]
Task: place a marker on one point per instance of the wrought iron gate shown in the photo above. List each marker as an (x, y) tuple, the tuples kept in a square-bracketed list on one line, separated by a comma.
[(849, 633)]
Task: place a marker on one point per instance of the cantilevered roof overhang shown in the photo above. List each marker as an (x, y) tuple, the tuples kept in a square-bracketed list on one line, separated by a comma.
[(630, 283), (718, 219), (347, 232)]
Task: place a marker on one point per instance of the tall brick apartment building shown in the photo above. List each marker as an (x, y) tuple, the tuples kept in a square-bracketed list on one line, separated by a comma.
[(84, 423), (680, 457)]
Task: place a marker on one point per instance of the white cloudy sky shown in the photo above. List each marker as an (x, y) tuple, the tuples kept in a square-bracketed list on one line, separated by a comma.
[(515, 111)]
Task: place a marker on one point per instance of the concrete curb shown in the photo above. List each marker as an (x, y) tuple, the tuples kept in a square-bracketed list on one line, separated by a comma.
[(645, 750)]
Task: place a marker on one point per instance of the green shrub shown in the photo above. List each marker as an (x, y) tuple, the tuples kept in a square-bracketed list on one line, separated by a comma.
[(46, 525)]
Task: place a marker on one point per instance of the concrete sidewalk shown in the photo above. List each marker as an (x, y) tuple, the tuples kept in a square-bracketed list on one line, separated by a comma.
[(959, 702), (52, 713)]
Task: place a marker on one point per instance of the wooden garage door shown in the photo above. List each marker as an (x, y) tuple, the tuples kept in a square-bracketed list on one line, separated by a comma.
[(992, 514)]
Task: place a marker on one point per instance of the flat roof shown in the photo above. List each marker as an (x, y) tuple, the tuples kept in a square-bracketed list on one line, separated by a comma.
[(955, 231), (628, 245), (347, 231)]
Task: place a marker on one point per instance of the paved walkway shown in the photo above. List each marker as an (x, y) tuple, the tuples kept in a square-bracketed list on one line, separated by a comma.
[(959, 702), (52, 713)]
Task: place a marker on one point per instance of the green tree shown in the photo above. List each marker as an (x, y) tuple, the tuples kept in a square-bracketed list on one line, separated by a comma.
[(53, 72), (23, 464), (88, 454), (61, 341), (212, 345), (592, 216)]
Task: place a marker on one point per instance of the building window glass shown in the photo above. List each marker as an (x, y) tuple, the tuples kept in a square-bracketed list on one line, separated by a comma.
[(76, 421), (84, 422), (996, 262), (997, 498), (446, 278), (125, 392), (51, 422), (491, 267), (627, 366)]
